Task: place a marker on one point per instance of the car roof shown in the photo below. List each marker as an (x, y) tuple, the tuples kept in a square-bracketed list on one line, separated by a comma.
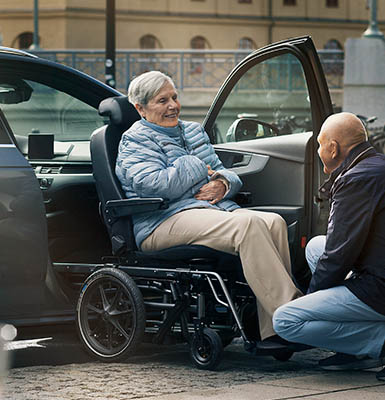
[(9, 50)]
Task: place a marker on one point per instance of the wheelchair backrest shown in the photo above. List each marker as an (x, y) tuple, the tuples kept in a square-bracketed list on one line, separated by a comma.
[(104, 149)]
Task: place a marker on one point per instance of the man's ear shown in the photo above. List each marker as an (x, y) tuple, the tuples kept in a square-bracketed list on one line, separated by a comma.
[(140, 109), (334, 149)]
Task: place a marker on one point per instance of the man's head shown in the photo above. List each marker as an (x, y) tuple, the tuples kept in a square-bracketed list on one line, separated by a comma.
[(339, 134)]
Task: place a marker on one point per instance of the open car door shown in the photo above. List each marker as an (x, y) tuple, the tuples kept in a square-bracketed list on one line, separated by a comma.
[(264, 123)]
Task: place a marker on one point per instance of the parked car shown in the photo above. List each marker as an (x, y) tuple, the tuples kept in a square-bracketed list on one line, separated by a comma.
[(50, 226)]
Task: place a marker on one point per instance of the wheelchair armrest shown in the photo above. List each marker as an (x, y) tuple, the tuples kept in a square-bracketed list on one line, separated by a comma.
[(126, 207)]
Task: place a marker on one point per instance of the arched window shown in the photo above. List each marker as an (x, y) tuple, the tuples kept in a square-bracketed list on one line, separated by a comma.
[(199, 42), (246, 43), (333, 58), (198, 59), (149, 42), (23, 41), (333, 44)]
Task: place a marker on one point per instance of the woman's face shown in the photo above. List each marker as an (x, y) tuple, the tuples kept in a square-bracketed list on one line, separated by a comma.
[(163, 109)]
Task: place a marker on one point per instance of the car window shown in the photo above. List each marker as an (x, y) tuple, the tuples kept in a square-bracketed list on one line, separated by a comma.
[(32, 107), (270, 99)]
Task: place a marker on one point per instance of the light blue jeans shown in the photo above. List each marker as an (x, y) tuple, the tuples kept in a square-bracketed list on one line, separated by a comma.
[(334, 319)]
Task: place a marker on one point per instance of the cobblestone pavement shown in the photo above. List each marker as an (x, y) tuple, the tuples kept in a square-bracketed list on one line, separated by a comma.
[(155, 371)]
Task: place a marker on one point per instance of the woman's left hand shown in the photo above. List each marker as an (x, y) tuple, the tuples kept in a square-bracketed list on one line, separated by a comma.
[(212, 191)]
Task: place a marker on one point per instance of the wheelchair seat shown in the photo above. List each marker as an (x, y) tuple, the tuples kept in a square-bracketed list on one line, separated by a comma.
[(116, 210)]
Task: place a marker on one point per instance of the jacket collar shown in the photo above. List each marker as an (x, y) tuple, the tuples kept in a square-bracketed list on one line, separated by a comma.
[(358, 153), (174, 131)]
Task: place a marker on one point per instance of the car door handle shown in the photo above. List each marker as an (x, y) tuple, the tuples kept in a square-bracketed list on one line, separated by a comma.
[(243, 198), (243, 162)]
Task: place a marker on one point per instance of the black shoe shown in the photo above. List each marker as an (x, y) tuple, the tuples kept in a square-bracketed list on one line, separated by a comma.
[(381, 375), (272, 343), (341, 362)]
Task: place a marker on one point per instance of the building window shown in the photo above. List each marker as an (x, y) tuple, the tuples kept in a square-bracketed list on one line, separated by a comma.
[(333, 44), (199, 42), (23, 41), (289, 2), (333, 61), (332, 3), (246, 43), (198, 59), (149, 42)]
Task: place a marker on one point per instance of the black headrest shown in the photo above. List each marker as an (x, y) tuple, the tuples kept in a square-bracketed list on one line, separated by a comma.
[(119, 110)]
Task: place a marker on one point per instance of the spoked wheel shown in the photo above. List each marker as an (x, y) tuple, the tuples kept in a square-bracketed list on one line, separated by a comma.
[(206, 349), (283, 355), (110, 315)]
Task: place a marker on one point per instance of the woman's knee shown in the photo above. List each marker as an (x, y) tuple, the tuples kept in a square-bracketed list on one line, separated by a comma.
[(250, 220), (278, 223)]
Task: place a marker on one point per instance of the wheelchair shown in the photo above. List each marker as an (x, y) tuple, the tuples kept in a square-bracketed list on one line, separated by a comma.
[(190, 294)]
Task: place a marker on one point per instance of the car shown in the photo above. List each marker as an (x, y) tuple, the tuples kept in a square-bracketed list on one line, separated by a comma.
[(263, 124)]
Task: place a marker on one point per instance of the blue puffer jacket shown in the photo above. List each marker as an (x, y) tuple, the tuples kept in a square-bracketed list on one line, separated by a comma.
[(154, 161)]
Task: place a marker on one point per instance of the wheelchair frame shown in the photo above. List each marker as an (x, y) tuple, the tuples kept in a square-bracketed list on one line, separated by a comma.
[(122, 304)]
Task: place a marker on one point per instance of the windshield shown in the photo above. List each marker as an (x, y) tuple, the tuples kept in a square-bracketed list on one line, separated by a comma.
[(32, 107)]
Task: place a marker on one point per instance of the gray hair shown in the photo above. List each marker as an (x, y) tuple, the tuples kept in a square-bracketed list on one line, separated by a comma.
[(146, 86)]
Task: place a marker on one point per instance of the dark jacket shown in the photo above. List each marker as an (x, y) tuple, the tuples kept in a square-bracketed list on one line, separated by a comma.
[(355, 238)]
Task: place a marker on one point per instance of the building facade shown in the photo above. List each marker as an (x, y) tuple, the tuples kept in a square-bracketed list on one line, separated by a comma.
[(185, 24)]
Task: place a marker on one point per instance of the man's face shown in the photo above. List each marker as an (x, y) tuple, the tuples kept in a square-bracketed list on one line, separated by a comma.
[(328, 152), (164, 108)]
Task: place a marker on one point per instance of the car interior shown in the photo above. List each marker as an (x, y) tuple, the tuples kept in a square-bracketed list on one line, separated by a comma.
[(43, 120)]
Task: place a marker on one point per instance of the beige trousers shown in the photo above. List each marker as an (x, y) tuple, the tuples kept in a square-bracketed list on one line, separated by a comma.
[(260, 239)]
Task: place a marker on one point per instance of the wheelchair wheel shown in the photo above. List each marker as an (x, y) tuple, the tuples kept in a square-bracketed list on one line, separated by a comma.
[(283, 355), (206, 349), (110, 315)]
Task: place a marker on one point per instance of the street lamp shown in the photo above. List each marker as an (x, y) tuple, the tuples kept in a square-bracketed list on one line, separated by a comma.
[(373, 31), (35, 44), (110, 43)]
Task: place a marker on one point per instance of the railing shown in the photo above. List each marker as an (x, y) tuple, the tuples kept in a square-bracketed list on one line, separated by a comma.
[(188, 68)]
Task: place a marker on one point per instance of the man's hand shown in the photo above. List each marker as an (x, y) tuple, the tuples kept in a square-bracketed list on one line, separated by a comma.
[(212, 191)]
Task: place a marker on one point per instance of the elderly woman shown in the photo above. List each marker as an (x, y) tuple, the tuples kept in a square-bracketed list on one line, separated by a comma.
[(163, 156)]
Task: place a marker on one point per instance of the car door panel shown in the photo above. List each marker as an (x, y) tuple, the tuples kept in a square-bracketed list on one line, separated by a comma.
[(23, 236), (281, 89)]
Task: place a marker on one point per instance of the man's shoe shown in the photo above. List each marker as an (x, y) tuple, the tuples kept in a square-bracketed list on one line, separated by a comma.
[(341, 362), (277, 343), (381, 375), (272, 343)]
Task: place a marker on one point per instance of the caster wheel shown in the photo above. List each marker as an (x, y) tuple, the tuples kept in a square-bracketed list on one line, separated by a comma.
[(110, 315), (283, 355), (206, 349)]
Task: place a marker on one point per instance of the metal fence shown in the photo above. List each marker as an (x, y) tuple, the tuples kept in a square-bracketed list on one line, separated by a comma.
[(189, 68)]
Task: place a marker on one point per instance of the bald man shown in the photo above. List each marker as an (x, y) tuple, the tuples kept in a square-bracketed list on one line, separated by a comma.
[(344, 309)]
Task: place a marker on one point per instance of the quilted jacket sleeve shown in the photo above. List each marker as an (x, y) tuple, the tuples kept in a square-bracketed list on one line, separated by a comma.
[(231, 177), (142, 167)]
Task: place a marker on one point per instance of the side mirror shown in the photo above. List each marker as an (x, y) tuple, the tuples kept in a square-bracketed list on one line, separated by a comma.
[(249, 129), (14, 91)]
